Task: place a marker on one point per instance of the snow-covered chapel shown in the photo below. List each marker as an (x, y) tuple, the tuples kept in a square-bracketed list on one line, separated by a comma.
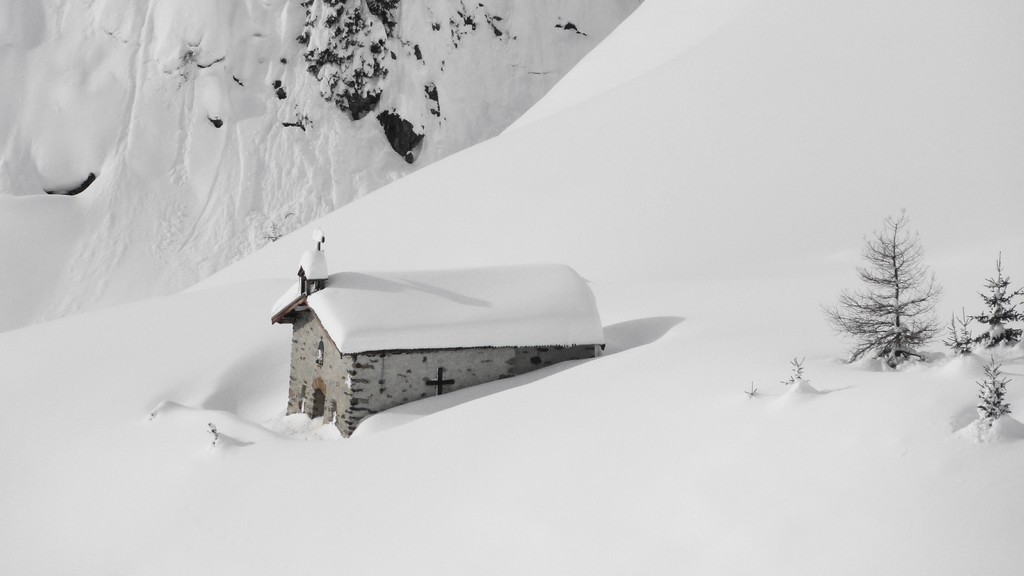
[(366, 342)]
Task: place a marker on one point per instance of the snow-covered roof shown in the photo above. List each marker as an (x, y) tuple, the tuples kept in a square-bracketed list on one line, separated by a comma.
[(533, 305), (286, 299), (314, 263)]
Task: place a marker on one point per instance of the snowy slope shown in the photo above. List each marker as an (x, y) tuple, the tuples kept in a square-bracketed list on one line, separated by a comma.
[(208, 133), (614, 62), (770, 148), (714, 203)]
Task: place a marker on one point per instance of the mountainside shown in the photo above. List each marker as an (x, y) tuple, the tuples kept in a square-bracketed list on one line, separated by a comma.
[(714, 201), (758, 148), (167, 139)]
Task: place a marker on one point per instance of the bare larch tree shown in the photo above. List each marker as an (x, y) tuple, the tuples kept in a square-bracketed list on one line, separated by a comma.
[(894, 314)]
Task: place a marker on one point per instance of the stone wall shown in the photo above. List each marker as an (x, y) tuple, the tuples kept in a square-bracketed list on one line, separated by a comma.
[(382, 380), (534, 357), (307, 374), (355, 386)]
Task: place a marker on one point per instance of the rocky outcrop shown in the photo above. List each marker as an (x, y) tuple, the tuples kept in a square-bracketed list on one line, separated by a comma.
[(400, 134), (77, 189), (352, 46), (346, 51)]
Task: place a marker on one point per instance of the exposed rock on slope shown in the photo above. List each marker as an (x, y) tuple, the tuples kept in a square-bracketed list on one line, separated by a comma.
[(400, 133)]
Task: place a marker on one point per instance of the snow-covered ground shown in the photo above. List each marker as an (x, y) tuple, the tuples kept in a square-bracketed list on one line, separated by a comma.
[(714, 202)]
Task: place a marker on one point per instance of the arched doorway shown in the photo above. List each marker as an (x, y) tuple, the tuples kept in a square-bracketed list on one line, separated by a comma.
[(319, 399)]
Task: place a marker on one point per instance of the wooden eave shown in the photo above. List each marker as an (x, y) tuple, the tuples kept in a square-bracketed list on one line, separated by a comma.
[(284, 316)]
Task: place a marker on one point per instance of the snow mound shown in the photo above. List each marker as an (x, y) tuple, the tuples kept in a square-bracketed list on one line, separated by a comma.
[(966, 366), (1004, 429), (800, 389), (302, 427)]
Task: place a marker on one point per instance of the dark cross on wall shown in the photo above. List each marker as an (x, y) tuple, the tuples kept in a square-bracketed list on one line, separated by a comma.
[(440, 382)]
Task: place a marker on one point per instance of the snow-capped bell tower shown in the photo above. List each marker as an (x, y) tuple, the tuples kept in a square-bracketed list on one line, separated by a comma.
[(313, 266)]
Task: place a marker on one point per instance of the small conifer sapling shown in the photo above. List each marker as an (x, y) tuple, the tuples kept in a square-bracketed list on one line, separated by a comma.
[(752, 392), (1001, 311), (960, 339), (798, 373), (992, 394)]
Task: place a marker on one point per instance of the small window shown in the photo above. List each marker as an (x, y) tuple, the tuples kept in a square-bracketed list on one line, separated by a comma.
[(320, 353)]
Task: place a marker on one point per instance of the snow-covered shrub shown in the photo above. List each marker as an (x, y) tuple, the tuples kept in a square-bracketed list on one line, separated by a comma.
[(894, 314), (992, 394), (273, 232), (1001, 311)]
